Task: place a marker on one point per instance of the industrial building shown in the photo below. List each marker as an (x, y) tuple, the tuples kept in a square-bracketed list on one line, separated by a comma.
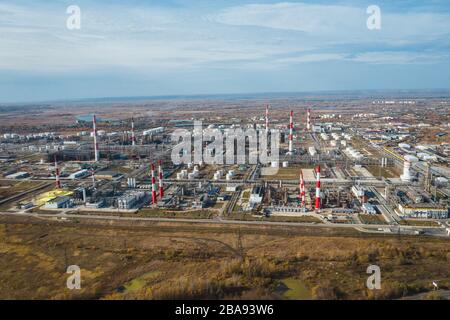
[(59, 203), (423, 211)]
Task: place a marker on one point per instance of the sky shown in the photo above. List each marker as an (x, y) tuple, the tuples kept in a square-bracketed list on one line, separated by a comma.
[(173, 47)]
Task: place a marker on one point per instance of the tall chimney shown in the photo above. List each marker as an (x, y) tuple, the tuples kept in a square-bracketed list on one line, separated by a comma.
[(291, 128), (133, 136), (154, 199), (267, 118), (94, 125), (302, 189), (318, 188), (93, 178), (308, 120), (58, 182), (161, 188)]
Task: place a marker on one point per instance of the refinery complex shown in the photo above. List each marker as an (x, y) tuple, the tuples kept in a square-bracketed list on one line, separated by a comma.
[(214, 158), (375, 168)]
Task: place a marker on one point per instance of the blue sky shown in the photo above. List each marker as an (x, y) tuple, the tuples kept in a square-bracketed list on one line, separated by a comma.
[(143, 48)]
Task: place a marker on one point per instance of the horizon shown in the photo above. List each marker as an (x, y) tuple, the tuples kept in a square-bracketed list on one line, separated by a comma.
[(306, 95)]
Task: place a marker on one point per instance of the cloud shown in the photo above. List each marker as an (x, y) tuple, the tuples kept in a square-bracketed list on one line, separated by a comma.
[(254, 36), (400, 58), (346, 22)]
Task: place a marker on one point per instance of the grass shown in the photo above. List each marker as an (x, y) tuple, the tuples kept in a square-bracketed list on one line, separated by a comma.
[(250, 217), (421, 223), (387, 172), (293, 219), (372, 219), (246, 195), (10, 188), (289, 173), (194, 214), (296, 289), (139, 282), (218, 205), (158, 260)]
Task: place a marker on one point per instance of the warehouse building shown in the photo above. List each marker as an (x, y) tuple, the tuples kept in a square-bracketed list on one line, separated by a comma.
[(423, 211)]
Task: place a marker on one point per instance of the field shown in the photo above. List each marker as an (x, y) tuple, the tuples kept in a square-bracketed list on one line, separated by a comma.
[(142, 260), (416, 222), (192, 214), (372, 219), (290, 173), (10, 188), (273, 218), (388, 172)]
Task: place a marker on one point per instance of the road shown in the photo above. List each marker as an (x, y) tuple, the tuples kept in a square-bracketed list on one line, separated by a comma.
[(389, 215), (435, 231)]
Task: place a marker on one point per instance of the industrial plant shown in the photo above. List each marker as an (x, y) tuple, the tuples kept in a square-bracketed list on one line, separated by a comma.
[(360, 170)]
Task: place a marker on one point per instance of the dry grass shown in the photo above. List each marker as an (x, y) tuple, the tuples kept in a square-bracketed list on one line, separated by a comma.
[(175, 261)]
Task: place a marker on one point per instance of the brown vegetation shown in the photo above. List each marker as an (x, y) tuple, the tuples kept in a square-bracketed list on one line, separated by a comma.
[(178, 261)]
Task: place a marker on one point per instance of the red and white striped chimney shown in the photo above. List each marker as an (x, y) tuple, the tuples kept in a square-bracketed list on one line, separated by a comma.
[(267, 118), (308, 120), (302, 189), (161, 188), (318, 187), (133, 136), (291, 128), (58, 182), (154, 199), (94, 126)]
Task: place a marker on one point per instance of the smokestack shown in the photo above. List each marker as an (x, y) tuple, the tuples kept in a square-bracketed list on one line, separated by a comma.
[(133, 136), (291, 127), (318, 188), (93, 178), (58, 182), (406, 176), (267, 118), (94, 126), (154, 199), (308, 120), (161, 188), (302, 189)]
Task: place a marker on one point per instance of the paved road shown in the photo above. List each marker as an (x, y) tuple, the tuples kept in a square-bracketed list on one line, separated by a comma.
[(436, 231), (386, 210)]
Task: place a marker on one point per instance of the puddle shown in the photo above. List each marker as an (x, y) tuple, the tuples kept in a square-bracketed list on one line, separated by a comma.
[(294, 289), (138, 283)]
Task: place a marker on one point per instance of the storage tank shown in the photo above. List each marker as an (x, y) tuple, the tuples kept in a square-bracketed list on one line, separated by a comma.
[(406, 176)]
